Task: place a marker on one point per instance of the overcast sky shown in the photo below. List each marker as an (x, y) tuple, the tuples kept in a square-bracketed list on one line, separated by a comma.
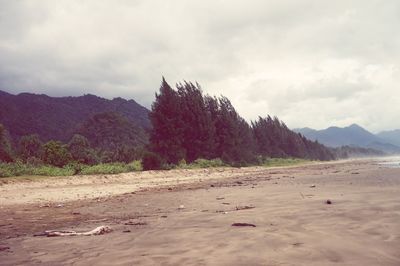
[(311, 63)]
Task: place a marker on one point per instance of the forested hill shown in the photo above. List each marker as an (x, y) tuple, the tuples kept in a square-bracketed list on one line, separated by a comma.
[(58, 118)]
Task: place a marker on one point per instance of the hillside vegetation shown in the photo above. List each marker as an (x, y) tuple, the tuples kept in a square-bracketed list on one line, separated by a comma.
[(186, 129)]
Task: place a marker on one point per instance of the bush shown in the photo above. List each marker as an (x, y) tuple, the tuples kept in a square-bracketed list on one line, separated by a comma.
[(20, 169), (203, 163), (56, 153), (111, 168), (151, 161), (271, 162)]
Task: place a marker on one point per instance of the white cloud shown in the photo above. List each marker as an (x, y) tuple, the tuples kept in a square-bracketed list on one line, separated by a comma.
[(311, 63)]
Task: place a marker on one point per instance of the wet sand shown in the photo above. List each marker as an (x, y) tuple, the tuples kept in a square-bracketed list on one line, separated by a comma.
[(185, 217)]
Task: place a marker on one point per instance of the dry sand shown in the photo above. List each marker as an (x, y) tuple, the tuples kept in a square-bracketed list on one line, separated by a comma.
[(294, 225)]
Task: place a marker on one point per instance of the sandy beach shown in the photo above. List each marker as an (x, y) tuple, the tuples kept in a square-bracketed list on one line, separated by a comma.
[(185, 217)]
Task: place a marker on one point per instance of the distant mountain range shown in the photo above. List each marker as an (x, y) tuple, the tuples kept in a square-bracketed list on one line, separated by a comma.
[(58, 118), (354, 135)]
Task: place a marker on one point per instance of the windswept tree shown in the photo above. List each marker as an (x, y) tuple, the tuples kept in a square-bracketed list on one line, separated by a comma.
[(166, 137), (199, 136), (235, 138), (275, 139)]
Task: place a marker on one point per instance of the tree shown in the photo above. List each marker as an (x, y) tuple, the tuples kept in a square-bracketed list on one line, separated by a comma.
[(196, 122), (56, 153), (6, 152), (166, 137), (30, 147), (80, 150), (114, 137)]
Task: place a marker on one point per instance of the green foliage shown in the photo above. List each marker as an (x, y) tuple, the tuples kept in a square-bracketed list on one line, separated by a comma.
[(166, 138), (111, 168), (80, 150), (22, 169), (188, 125), (152, 161), (345, 152), (55, 153), (30, 147), (114, 137), (6, 152), (273, 162), (55, 118), (274, 139), (202, 163)]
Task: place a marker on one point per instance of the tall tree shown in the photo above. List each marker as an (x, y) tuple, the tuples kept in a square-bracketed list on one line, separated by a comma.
[(198, 128), (166, 138)]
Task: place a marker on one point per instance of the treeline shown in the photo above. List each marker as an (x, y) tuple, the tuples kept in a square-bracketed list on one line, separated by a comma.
[(345, 152), (103, 138), (188, 125)]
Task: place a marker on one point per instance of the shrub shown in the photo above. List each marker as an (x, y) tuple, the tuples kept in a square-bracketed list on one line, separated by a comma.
[(20, 169), (203, 163), (111, 168), (56, 153), (151, 161)]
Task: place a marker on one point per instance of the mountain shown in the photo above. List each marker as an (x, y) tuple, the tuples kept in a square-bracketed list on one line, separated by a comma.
[(392, 136), (353, 135), (59, 118)]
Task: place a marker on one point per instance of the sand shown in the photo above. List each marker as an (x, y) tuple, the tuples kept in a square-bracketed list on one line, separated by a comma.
[(184, 217)]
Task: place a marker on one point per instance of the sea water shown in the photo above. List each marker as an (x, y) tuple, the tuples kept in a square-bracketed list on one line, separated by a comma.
[(392, 162)]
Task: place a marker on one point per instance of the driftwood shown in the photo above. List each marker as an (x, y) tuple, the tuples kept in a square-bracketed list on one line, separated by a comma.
[(101, 230), (243, 224)]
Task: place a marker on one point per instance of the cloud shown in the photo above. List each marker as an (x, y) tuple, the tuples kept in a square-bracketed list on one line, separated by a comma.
[(311, 63)]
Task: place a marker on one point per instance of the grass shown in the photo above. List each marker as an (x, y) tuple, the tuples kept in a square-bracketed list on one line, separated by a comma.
[(111, 168), (201, 163), (30, 171), (21, 169), (275, 162)]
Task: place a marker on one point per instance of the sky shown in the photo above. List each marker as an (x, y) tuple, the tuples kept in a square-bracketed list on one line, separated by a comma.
[(311, 63)]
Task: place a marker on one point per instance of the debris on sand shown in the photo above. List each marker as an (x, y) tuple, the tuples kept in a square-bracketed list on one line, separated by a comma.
[(328, 201), (4, 248), (135, 223), (243, 224), (101, 230), (312, 186), (246, 207), (181, 207)]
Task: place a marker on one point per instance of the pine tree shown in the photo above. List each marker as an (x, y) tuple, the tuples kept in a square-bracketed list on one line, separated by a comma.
[(198, 129), (166, 138)]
